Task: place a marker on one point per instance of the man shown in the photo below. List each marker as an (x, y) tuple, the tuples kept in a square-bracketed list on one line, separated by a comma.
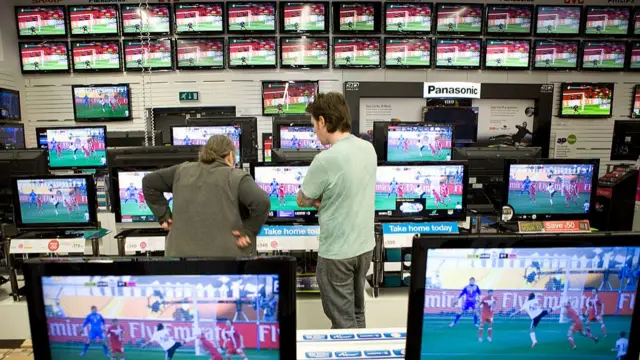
[(116, 337), (471, 292), (340, 183), (166, 341), (93, 326)]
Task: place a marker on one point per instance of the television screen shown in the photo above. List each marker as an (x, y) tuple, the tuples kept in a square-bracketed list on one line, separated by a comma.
[(558, 20), (356, 52), (407, 52), (251, 16), (199, 135), (101, 102), (634, 58), (603, 55), (299, 137), (77, 147), (502, 54), (94, 20), (282, 183), (200, 53), (199, 18), (635, 113), (38, 21), (11, 136), (305, 16), (304, 52), (44, 57), (419, 143), (258, 52), (267, 145), (636, 22), (96, 55), (9, 104), (133, 207), (155, 55), (586, 100), (458, 53), (509, 19), (407, 17), (607, 20), (549, 54), (356, 17), (452, 18), (463, 119), (149, 18), (287, 97)]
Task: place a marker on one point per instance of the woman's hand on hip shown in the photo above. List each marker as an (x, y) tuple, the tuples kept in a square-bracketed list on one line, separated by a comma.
[(242, 241), (167, 225)]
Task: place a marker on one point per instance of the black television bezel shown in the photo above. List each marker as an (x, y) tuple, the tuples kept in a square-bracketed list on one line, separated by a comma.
[(120, 56), (459, 67), (312, 38), (27, 72), (333, 53), (408, 32), (630, 48), (377, 21), (205, 67), (16, 93), (636, 92), (87, 120), (265, 82), (5, 123), (92, 205), (632, 24), (153, 33), (563, 87), (509, 33), (484, 56), (534, 46), (227, 26), (36, 37), (583, 48), (45, 129), (287, 120), (552, 35), (327, 18), (205, 32), (619, 125), (222, 123), (118, 22), (414, 124), (384, 52), (254, 39), (144, 68), (115, 182), (586, 14), (436, 10), (543, 217)]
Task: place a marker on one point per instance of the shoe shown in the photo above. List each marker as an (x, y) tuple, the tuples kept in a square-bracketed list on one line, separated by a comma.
[(534, 344)]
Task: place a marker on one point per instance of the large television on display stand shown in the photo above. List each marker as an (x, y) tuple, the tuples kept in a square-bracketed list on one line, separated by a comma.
[(199, 18), (407, 18), (555, 54), (130, 205), (41, 21), (248, 134), (74, 147), (486, 164), (304, 17), (94, 20), (509, 19)]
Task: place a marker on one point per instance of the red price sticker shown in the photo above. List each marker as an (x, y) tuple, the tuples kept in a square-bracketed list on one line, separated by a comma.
[(53, 245)]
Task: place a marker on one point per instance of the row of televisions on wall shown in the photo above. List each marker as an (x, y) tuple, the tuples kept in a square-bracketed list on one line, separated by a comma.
[(314, 52), (313, 17)]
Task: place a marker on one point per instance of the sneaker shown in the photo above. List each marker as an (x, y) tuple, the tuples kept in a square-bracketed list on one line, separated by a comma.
[(534, 344)]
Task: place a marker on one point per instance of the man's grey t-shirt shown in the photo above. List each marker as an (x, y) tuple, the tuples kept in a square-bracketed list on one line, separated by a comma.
[(344, 176)]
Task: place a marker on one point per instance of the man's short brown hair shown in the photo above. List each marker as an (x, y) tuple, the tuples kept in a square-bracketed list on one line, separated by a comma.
[(333, 108)]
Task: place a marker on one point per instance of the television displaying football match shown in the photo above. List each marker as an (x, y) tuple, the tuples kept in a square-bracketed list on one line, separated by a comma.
[(607, 20), (501, 54), (587, 100), (148, 18), (200, 53), (48, 56), (453, 18), (96, 55), (356, 52), (77, 147), (101, 103), (304, 52), (38, 21), (299, 137), (133, 206), (509, 19), (163, 316), (282, 184), (549, 54), (257, 52), (526, 303), (407, 17), (287, 97), (636, 23), (407, 52), (89, 20), (558, 20), (11, 136), (419, 143), (199, 135), (634, 59), (157, 54), (304, 17), (603, 55), (251, 16), (54, 201), (10, 104), (199, 18), (635, 111), (458, 53), (355, 17)]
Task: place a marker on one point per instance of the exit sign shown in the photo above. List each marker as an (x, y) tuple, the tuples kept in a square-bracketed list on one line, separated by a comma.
[(189, 96)]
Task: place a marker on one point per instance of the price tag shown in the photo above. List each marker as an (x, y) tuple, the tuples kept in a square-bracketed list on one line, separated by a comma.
[(401, 235), (568, 226), (44, 246), (144, 243), (286, 238)]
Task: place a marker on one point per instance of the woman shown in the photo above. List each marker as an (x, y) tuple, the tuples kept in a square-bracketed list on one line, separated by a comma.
[(217, 210)]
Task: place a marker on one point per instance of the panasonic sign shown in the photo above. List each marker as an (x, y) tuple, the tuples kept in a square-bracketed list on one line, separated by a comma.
[(450, 90)]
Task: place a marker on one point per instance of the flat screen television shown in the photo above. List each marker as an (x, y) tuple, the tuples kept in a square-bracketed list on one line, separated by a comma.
[(156, 55), (154, 19), (200, 54), (304, 17), (298, 137), (558, 20), (507, 54), (625, 145), (459, 18), (11, 136), (96, 56), (199, 18), (199, 135), (89, 20), (287, 97), (636, 23), (78, 147), (463, 119), (407, 17), (607, 21), (555, 54), (10, 104), (415, 142), (356, 53), (586, 100), (55, 202), (604, 55), (458, 53), (509, 19), (44, 57), (130, 205), (304, 52), (635, 104), (550, 189), (252, 53), (633, 64), (407, 53), (41, 21), (101, 102), (243, 17), (356, 17), (267, 146)]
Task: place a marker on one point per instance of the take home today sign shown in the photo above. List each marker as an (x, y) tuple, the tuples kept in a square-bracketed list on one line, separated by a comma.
[(449, 90)]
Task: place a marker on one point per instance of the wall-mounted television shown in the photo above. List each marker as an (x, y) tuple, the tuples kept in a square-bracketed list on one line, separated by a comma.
[(200, 54), (243, 17), (75, 147), (356, 17), (9, 104), (287, 97), (459, 18), (157, 54), (95, 56), (41, 21), (252, 53), (458, 53), (555, 54), (607, 21), (636, 22), (44, 57), (509, 19), (356, 52), (304, 52), (304, 17), (101, 102), (88, 20), (406, 17), (604, 55), (507, 54), (633, 64), (407, 52), (11, 136), (199, 18), (154, 19), (558, 20), (586, 100), (635, 103)]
